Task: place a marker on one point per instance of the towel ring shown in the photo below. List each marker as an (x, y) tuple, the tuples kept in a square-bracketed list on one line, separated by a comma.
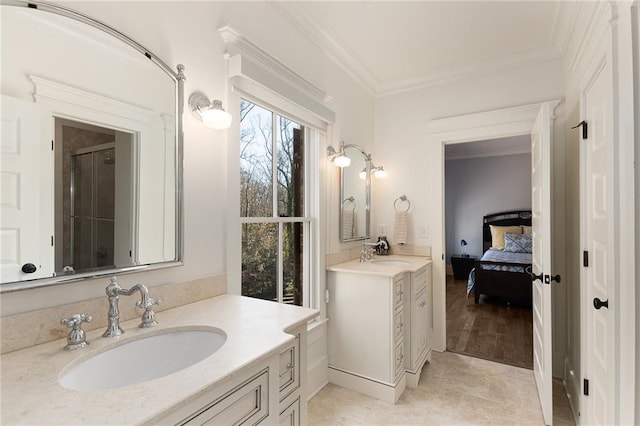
[(402, 198), (349, 200)]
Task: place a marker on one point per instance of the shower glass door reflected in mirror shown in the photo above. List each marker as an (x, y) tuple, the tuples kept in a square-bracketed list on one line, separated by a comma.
[(93, 207)]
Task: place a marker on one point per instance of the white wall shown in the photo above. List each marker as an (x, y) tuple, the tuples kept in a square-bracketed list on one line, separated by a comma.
[(476, 187)]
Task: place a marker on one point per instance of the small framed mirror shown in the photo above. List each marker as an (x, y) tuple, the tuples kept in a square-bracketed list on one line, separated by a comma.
[(355, 195)]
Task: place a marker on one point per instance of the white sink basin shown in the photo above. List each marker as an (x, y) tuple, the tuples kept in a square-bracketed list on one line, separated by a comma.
[(143, 359), (390, 262)]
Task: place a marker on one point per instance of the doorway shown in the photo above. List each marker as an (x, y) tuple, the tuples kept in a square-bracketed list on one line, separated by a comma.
[(94, 190), (534, 119), (481, 178)]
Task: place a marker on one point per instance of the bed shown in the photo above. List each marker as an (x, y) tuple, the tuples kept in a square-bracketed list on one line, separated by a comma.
[(502, 272)]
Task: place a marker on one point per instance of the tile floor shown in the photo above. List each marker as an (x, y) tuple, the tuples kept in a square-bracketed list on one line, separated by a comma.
[(453, 390)]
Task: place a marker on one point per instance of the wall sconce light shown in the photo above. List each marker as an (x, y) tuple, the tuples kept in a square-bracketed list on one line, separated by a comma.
[(211, 114), (338, 158), (379, 172)]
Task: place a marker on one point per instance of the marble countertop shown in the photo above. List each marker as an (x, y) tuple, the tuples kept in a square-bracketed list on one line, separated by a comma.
[(31, 394), (378, 267)]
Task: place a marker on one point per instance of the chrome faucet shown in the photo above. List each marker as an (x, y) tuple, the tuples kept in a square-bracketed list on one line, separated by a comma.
[(366, 254), (114, 291)]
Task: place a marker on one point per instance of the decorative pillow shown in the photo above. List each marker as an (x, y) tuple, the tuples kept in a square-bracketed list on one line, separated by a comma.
[(518, 243), (497, 235), (526, 229)]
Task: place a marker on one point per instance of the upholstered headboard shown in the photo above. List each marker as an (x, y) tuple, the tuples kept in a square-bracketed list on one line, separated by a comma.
[(517, 217)]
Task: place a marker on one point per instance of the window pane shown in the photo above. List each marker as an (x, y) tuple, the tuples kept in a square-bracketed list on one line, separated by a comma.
[(292, 260), (260, 260), (290, 168), (256, 154)]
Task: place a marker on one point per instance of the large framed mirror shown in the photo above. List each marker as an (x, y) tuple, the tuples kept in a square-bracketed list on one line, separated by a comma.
[(355, 195), (91, 150)]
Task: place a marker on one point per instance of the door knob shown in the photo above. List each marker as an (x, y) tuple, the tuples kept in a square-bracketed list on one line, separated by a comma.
[(29, 268), (534, 277), (597, 303)]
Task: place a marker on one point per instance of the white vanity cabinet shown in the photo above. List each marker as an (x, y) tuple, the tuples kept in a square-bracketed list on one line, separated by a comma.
[(420, 323), (379, 330), (366, 333), (267, 392)]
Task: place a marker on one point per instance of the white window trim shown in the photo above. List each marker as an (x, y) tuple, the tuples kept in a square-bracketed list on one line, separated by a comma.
[(259, 77), (313, 259)]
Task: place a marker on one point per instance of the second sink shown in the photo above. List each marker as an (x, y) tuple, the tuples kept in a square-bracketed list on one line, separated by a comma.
[(143, 359)]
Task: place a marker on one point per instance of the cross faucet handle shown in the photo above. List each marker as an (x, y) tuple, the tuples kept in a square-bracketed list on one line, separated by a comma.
[(149, 317), (76, 339), (148, 303)]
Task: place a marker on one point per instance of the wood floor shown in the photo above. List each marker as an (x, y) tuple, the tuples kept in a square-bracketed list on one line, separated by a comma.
[(489, 330)]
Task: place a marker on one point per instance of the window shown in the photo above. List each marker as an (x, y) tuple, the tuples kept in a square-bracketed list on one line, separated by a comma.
[(274, 217)]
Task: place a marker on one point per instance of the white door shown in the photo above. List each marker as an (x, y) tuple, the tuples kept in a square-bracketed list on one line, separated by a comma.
[(21, 152), (597, 233), (541, 264)]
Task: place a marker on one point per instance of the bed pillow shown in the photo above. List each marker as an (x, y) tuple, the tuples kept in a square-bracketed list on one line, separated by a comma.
[(526, 229), (497, 235), (518, 243)]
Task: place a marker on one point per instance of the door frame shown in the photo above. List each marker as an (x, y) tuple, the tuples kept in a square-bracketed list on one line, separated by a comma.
[(494, 124), (612, 41)]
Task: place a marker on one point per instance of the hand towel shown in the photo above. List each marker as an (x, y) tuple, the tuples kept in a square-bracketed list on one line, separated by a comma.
[(347, 224), (400, 228)]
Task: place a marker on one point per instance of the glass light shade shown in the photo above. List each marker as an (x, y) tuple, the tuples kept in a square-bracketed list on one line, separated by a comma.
[(342, 161), (363, 174), (380, 173), (216, 118)]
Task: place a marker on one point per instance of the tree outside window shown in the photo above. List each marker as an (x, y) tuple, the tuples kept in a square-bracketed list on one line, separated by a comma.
[(272, 188)]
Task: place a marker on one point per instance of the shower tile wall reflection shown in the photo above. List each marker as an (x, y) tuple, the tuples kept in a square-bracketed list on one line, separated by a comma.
[(88, 193)]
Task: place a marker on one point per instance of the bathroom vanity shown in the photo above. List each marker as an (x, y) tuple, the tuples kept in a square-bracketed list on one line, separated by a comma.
[(258, 375), (380, 324)]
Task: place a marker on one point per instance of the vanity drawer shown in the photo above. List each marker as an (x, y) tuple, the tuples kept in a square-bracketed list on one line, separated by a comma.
[(291, 415), (289, 369), (398, 290), (247, 403)]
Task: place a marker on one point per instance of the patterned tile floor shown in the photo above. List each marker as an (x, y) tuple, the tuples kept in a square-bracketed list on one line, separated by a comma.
[(453, 390)]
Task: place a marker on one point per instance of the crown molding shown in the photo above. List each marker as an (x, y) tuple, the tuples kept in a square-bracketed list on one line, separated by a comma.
[(330, 44), (320, 34), (543, 53)]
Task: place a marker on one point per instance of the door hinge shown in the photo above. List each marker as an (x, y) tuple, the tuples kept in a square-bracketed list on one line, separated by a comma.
[(585, 385), (51, 144), (585, 128), (585, 258), (326, 296), (52, 241)]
